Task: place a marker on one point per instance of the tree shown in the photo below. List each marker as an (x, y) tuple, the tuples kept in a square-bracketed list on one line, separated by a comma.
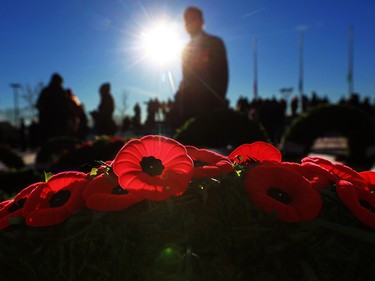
[(30, 96), (122, 108)]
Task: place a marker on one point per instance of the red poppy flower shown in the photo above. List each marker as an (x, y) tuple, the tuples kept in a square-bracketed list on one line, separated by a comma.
[(359, 200), (342, 172), (153, 167), (257, 151), (13, 208), (274, 188), (208, 163), (369, 177), (318, 177), (54, 201), (103, 193)]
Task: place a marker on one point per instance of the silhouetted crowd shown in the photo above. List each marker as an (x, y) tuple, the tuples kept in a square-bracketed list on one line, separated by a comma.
[(273, 114), (62, 114)]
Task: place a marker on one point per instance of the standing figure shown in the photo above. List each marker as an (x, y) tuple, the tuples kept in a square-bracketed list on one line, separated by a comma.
[(137, 116), (103, 119), (80, 126), (204, 70), (55, 111)]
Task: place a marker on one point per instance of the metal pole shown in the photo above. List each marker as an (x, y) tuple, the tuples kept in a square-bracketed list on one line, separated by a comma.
[(300, 79), (15, 87), (350, 61), (255, 85)]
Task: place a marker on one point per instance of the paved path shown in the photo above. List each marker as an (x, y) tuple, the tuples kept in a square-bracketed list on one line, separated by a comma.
[(29, 158)]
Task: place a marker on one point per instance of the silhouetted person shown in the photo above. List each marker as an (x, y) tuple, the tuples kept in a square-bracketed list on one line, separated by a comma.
[(242, 105), (153, 106), (103, 119), (127, 124), (305, 103), (366, 106), (79, 124), (204, 70), (294, 106), (137, 116), (55, 111)]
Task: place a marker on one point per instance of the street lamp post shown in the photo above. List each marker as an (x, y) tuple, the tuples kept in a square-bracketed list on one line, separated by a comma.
[(286, 93), (300, 70), (15, 87), (350, 61)]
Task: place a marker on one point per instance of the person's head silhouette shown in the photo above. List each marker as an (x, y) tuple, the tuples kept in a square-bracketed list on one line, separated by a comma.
[(56, 79), (193, 17), (105, 88)]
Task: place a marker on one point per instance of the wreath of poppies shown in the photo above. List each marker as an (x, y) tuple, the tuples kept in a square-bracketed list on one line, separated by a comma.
[(156, 168)]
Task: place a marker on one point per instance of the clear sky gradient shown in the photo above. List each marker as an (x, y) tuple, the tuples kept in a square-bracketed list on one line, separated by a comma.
[(90, 42)]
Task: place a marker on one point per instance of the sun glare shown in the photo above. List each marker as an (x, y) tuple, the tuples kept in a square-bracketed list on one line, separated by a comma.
[(162, 43)]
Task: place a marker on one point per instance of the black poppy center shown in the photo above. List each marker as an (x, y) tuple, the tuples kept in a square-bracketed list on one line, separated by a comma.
[(367, 205), (17, 205), (198, 163), (152, 166), (59, 198), (279, 195), (118, 190)]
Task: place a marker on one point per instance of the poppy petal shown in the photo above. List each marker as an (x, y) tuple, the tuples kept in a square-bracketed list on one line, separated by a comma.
[(340, 171), (258, 151), (99, 195), (208, 163), (369, 177)]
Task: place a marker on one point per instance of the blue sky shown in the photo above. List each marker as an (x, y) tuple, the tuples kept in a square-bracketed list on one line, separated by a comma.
[(90, 42)]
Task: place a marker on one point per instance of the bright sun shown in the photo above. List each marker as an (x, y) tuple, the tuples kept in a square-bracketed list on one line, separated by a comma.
[(162, 43)]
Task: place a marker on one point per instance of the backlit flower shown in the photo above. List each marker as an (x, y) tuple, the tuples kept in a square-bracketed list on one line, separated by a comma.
[(13, 208), (258, 151), (274, 188), (103, 193), (153, 167), (54, 201), (359, 200), (318, 177), (208, 163), (340, 171)]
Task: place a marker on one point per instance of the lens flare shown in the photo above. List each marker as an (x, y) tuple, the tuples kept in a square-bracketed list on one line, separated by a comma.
[(162, 43)]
